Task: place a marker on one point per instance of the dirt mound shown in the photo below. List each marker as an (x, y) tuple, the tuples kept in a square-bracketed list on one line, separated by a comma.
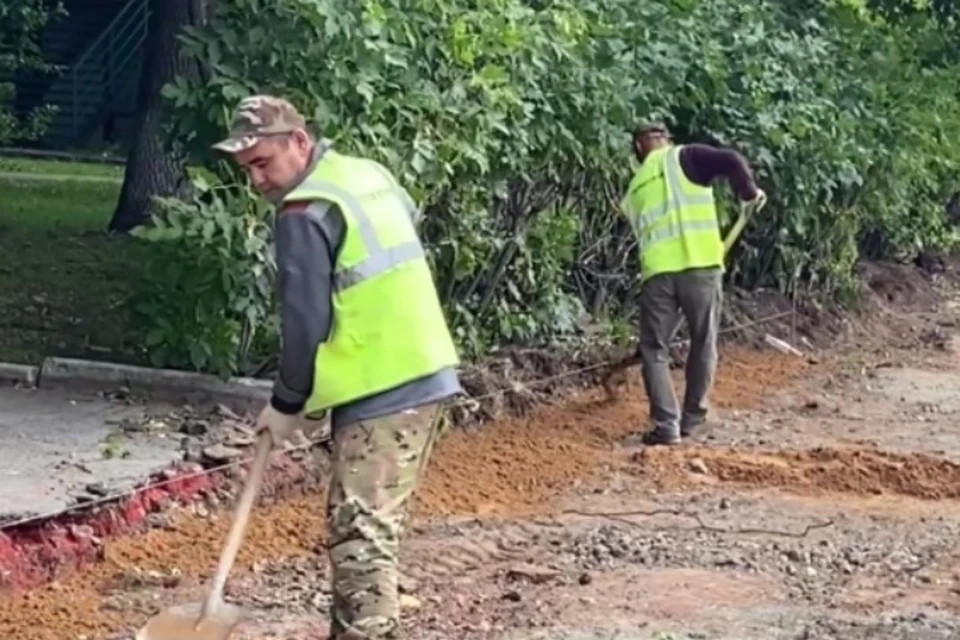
[(821, 470), (516, 466), (509, 467), (890, 285), (186, 547)]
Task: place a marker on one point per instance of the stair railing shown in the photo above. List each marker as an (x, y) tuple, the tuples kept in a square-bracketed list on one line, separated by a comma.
[(105, 59)]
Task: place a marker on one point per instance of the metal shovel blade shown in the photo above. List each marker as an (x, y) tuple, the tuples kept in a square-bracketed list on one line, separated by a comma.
[(180, 623)]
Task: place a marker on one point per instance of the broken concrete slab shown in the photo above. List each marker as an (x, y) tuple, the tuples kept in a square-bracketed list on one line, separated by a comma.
[(57, 448), (70, 373)]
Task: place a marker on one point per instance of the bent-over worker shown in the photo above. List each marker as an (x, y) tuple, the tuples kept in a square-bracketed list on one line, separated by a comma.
[(363, 336), (671, 207)]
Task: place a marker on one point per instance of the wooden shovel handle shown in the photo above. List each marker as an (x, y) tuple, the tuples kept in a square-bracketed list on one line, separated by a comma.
[(239, 526)]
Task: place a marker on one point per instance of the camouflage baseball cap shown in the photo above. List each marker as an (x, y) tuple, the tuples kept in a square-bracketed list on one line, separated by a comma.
[(257, 117), (651, 127)]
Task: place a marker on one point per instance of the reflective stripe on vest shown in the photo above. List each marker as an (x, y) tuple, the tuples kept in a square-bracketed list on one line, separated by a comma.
[(674, 219), (675, 203), (388, 326), (379, 259)]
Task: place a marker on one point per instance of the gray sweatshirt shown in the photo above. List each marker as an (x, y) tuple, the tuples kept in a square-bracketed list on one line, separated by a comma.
[(308, 241)]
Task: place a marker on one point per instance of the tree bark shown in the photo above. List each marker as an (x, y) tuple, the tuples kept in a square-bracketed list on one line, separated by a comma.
[(154, 167)]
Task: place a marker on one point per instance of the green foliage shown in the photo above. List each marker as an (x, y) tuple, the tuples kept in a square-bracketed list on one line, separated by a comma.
[(64, 284), (21, 23), (207, 299), (509, 121)]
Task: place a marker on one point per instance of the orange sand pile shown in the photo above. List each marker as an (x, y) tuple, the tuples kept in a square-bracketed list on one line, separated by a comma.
[(510, 467)]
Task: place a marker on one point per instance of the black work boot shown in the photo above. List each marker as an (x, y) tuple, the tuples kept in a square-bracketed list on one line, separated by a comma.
[(661, 437), (690, 429)]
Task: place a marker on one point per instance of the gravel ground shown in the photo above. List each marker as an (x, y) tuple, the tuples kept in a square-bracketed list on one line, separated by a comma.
[(822, 505)]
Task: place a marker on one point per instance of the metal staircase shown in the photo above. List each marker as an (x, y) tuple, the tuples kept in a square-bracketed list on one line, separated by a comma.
[(99, 47)]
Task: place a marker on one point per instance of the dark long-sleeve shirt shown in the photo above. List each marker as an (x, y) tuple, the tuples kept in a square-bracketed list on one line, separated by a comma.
[(703, 164), (308, 239)]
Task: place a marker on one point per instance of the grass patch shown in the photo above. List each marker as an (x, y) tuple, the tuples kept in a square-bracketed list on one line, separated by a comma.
[(61, 168), (65, 283), (64, 204)]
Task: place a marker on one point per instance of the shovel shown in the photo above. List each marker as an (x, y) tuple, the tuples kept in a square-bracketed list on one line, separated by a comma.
[(607, 381), (214, 619)]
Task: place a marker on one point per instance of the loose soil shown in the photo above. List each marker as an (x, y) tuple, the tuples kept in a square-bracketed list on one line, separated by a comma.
[(818, 471), (820, 504), (513, 467)]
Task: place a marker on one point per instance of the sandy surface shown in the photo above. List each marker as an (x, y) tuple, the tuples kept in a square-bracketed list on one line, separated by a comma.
[(821, 504)]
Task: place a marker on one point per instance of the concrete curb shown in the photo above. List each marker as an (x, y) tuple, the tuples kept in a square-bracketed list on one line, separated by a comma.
[(38, 552), (195, 387), (19, 373)]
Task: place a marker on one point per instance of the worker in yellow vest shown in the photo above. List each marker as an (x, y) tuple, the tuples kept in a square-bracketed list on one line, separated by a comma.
[(363, 337), (670, 205)]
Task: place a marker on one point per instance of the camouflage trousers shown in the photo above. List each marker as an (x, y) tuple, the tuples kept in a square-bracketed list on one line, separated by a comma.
[(377, 465)]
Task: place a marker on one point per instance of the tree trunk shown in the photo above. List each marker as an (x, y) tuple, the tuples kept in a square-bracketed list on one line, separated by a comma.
[(155, 168)]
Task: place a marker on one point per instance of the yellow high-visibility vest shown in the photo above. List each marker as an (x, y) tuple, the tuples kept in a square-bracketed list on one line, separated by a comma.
[(388, 326), (674, 219)]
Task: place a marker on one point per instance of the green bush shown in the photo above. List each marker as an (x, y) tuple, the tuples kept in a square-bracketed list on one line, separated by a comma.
[(207, 300), (509, 121), (21, 24)]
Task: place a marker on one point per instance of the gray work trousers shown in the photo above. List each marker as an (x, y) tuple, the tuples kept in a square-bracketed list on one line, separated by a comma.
[(698, 294)]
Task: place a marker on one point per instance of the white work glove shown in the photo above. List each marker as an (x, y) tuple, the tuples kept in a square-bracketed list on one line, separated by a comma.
[(758, 202), (280, 425)]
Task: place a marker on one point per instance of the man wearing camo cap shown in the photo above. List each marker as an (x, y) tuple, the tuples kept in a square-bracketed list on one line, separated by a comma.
[(672, 209), (364, 337)]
